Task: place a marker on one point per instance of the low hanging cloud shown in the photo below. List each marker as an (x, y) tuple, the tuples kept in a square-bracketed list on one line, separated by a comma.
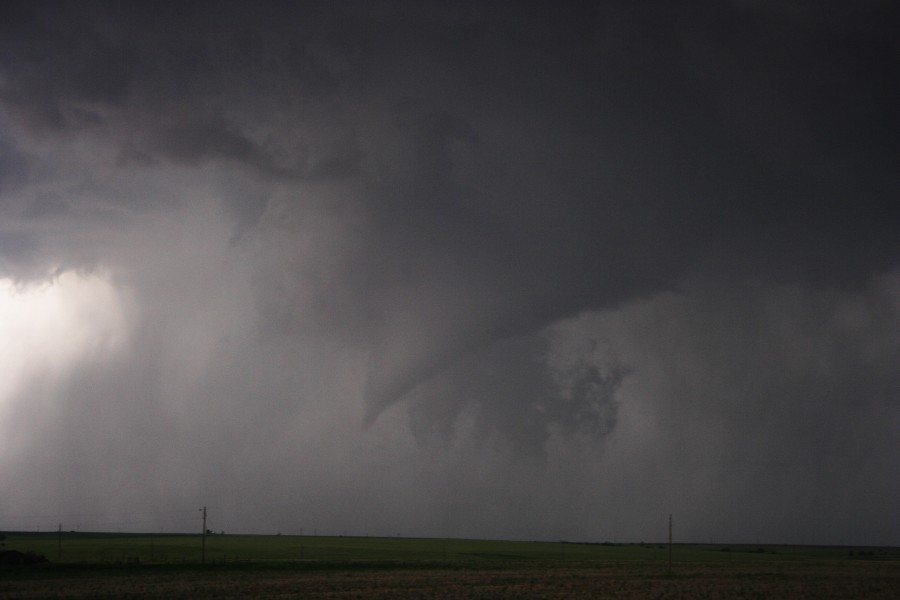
[(525, 390), (370, 244)]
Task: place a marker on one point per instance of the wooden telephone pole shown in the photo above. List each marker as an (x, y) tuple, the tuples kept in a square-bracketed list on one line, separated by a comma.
[(670, 543), (203, 538)]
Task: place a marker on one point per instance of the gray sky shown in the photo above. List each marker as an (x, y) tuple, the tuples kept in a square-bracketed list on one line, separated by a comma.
[(538, 271)]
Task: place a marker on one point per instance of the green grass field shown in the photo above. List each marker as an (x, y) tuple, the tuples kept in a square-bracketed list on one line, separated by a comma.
[(105, 548), (151, 548), (86, 565)]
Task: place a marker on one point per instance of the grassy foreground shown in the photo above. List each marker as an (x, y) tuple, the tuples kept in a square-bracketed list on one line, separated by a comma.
[(87, 565)]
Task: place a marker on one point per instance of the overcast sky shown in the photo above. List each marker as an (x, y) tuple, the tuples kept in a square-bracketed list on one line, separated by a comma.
[(478, 269)]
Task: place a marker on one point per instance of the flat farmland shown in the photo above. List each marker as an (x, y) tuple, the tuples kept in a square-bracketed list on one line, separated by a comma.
[(408, 568)]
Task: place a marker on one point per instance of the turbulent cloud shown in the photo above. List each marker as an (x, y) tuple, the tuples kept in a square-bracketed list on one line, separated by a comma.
[(525, 390), (440, 234)]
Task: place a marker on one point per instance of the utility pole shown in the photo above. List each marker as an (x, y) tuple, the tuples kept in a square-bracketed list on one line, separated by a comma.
[(203, 538), (670, 543), (59, 543)]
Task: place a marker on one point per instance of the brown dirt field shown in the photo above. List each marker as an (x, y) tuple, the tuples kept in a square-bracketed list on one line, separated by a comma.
[(873, 580)]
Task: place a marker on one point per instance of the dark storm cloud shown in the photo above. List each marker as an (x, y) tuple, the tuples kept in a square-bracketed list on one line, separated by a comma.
[(55, 61), (608, 168), (425, 191), (196, 142), (594, 187)]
